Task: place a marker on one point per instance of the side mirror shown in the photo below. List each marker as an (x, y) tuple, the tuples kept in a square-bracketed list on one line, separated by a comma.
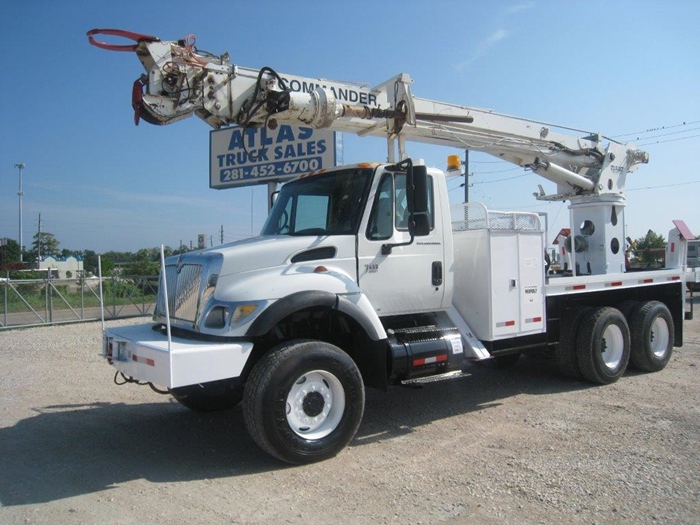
[(273, 199), (417, 203), (417, 190), (419, 224)]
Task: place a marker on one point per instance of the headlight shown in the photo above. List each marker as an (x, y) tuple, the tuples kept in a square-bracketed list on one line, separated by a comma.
[(218, 316)]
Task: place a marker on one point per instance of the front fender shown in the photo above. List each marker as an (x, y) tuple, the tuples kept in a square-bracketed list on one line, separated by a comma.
[(355, 305), (270, 284)]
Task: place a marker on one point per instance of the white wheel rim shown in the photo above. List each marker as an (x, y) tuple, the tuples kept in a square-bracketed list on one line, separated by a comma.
[(659, 337), (613, 346), (315, 404)]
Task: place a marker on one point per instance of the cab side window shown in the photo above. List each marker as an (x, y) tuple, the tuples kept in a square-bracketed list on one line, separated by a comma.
[(381, 222), (390, 209)]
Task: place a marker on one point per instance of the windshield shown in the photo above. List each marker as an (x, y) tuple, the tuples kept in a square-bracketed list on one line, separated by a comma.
[(326, 204)]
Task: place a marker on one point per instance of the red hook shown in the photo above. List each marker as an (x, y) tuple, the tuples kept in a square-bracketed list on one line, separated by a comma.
[(136, 37), (137, 99)]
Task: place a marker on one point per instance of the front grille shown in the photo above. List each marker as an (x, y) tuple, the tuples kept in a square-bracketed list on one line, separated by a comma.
[(183, 292)]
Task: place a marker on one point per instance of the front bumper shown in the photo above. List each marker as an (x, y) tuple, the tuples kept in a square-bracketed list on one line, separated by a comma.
[(145, 354)]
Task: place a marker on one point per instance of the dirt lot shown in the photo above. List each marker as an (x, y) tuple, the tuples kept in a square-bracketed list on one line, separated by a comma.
[(516, 446)]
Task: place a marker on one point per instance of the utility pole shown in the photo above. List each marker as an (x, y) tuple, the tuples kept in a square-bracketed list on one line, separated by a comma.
[(466, 175), (38, 242), (20, 165)]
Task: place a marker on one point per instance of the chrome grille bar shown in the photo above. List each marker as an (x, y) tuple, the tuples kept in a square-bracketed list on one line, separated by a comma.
[(186, 297), (183, 292)]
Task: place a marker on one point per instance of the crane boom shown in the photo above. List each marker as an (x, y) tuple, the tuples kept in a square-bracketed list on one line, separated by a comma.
[(181, 81)]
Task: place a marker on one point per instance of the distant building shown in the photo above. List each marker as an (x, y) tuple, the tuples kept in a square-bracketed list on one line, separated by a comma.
[(60, 266)]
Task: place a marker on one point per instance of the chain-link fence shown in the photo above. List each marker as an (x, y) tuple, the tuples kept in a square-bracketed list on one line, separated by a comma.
[(30, 302)]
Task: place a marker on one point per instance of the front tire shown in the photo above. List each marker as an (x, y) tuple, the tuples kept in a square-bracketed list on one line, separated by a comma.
[(652, 329), (304, 401), (603, 346)]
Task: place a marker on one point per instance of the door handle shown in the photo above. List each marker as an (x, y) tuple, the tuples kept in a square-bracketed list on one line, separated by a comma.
[(437, 273)]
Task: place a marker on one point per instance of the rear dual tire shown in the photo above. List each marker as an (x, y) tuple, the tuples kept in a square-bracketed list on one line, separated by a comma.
[(603, 345), (565, 355), (598, 343), (652, 328)]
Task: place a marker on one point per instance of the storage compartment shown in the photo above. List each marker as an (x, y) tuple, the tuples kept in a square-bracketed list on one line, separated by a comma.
[(498, 271)]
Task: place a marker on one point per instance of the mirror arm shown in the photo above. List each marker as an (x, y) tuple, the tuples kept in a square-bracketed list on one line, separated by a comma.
[(387, 248), (408, 166)]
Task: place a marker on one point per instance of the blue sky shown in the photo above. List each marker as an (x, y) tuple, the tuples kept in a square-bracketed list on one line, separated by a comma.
[(617, 67)]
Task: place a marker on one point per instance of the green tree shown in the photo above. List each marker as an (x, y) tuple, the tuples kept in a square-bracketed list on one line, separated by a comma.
[(9, 252), (145, 262), (142, 267), (106, 263), (44, 244), (89, 261), (118, 257), (649, 250)]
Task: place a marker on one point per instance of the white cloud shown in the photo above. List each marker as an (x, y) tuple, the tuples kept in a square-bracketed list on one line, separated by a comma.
[(517, 8), (494, 37), (482, 48)]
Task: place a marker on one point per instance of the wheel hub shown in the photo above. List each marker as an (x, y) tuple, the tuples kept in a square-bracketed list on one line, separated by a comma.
[(313, 404), (659, 337), (612, 346)]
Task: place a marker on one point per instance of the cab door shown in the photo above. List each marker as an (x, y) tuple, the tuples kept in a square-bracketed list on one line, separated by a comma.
[(411, 278)]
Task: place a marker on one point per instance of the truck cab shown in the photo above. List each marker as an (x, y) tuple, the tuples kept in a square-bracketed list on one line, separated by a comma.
[(347, 231)]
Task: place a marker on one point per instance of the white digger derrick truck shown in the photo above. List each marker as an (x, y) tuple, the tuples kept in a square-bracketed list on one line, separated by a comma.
[(363, 275)]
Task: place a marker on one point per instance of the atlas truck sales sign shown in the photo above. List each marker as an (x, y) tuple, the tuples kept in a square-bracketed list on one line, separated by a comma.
[(241, 157)]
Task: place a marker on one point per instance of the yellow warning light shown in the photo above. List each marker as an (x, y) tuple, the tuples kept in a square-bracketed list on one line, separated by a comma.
[(453, 163)]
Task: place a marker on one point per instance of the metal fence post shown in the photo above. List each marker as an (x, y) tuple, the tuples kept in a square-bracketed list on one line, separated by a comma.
[(7, 283), (114, 296), (46, 297), (49, 295), (82, 294)]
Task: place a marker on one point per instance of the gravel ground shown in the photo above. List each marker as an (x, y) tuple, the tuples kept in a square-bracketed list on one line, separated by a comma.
[(516, 446)]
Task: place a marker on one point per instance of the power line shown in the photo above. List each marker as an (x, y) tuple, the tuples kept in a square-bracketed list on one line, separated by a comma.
[(669, 140), (461, 185), (499, 171), (660, 128), (500, 180), (665, 186), (671, 133)]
